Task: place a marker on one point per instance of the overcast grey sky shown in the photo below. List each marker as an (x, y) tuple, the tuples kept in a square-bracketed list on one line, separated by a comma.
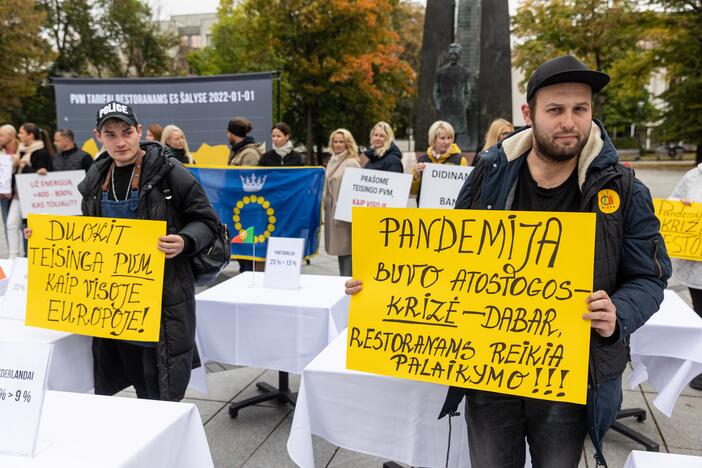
[(167, 8)]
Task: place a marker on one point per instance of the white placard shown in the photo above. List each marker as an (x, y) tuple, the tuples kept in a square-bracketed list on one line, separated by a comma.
[(283, 263), (441, 184), (53, 193), (5, 173), (367, 187), (23, 368), (14, 305)]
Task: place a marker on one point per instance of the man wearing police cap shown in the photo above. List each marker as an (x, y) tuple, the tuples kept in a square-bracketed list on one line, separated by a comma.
[(127, 181)]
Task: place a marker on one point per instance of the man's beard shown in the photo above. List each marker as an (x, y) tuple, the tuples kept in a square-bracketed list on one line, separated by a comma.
[(548, 149)]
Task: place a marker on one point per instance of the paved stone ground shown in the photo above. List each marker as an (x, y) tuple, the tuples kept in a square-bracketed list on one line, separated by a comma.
[(257, 438)]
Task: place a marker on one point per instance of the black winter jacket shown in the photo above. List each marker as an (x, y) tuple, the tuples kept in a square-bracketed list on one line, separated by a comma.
[(390, 161), (272, 159), (176, 351), (40, 159), (73, 159)]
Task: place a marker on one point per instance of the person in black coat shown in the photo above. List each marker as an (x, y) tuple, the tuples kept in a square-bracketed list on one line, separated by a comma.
[(282, 153), (383, 155), (69, 157), (159, 370)]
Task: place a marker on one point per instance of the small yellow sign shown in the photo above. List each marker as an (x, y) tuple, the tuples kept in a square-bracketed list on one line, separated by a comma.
[(490, 300), (608, 201), (681, 228), (95, 276)]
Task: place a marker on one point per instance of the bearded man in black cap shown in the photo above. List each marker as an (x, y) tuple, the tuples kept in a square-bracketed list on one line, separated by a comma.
[(563, 161)]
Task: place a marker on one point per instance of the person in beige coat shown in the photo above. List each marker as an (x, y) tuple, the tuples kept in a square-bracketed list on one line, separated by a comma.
[(245, 151), (337, 234)]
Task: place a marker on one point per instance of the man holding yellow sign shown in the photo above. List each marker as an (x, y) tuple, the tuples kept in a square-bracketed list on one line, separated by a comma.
[(104, 276), (532, 383)]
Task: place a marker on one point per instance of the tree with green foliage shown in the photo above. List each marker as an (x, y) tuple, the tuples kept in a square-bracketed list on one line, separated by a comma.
[(340, 61), (79, 42), (95, 38), (24, 52), (142, 48), (679, 52), (610, 36)]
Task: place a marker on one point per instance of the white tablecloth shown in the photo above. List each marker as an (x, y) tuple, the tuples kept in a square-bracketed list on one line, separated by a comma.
[(667, 351), (278, 329), (377, 415), (71, 366), (639, 459), (90, 431)]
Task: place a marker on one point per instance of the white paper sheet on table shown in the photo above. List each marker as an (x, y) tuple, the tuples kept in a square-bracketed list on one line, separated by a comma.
[(14, 301)]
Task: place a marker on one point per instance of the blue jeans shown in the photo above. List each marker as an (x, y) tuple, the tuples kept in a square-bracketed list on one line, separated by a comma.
[(5, 208), (498, 424)]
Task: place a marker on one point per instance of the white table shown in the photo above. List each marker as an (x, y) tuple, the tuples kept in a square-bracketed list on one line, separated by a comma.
[(639, 459), (667, 351), (71, 367), (277, 329), (373, 414), (88, 431)]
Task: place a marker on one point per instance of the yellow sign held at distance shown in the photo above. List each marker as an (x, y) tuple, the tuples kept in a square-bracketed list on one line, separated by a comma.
[(491, 300), (100, 277), (681, 228)]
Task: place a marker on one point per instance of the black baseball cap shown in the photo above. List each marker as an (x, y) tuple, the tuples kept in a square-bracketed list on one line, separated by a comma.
[(565, 69), (115, 110)]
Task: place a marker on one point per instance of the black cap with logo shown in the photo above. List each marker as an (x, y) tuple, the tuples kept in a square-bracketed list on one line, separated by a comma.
[(565, 69), (115, 110)]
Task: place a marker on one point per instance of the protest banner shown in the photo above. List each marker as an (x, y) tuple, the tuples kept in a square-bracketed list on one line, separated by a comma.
[(370, 188), (490, 300), (276, 202), (681, 228), (53, 193), (95, 276), (5, 173), (23, 369), (441, 184), (200, 105)]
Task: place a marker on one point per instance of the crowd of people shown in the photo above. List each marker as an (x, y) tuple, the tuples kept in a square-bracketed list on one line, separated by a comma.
[(32, 152)]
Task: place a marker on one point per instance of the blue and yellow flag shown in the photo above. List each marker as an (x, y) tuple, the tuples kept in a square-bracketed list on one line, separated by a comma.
[(276, 202)]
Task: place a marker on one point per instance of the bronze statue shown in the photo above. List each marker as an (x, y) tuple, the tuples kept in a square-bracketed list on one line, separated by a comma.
[(452, 94)]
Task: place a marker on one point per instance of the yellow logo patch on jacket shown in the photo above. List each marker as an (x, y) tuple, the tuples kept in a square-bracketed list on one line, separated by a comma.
[(608, 201)]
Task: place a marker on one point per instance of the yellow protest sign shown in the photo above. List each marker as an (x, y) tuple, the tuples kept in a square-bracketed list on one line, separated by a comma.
[(95, 276), (681, 228), (491, 300)]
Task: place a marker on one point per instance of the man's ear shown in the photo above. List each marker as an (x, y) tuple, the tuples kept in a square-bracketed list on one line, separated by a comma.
[(96, 134), (138, 128), (526, 114)]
